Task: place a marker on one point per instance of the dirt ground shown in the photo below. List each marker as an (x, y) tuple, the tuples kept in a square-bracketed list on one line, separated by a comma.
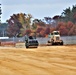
[(44, 60)]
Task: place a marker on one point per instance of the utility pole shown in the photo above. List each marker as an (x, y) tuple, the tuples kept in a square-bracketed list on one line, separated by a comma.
[(0, 13)]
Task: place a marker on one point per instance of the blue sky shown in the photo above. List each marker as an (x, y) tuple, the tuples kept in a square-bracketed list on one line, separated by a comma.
[(37, 8)]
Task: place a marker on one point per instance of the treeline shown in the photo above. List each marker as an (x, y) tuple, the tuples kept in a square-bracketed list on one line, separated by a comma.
[(21, 24)]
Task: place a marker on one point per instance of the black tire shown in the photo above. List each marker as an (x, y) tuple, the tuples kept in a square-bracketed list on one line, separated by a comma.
[(49, 41), (53, 43), (27, 46), (61, 43)]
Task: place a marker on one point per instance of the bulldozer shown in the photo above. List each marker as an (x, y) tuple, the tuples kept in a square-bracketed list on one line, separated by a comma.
[(55, 38)]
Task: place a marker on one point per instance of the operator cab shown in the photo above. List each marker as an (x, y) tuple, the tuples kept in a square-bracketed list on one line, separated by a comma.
[(55, 33)]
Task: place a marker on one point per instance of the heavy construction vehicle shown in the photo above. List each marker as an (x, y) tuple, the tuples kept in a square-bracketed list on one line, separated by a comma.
[(55, 38), (31, 41)]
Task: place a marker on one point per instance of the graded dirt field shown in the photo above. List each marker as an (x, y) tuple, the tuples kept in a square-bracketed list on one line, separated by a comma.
[(45, 60)]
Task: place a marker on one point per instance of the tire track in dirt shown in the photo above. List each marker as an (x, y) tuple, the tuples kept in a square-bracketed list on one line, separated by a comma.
[(23, 65), (40, 62)]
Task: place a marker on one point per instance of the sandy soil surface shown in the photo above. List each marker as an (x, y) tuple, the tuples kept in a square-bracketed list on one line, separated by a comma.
[(45, 60)]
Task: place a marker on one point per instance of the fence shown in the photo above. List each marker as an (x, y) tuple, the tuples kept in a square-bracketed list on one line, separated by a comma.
[(66, 40)]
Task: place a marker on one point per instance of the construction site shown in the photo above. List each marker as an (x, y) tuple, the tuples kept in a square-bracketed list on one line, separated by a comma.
[(54, 59), (28, 55)]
